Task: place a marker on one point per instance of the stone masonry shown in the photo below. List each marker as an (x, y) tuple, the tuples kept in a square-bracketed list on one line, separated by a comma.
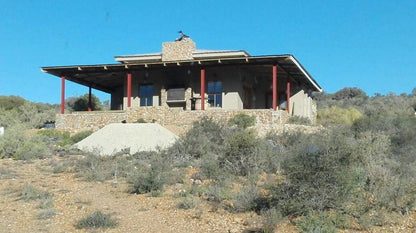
[(177, 120), (178, 50)]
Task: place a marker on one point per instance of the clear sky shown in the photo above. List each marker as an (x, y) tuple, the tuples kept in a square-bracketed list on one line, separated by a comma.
[(355, 43)]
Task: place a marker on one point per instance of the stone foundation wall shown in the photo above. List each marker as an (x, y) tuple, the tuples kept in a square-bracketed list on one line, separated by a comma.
[(177, 120), (79, 121)]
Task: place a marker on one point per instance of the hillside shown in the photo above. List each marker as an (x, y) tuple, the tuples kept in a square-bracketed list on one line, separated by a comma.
[(357, 174)]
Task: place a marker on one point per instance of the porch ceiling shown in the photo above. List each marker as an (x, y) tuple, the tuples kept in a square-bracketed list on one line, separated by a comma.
[(106, 77)]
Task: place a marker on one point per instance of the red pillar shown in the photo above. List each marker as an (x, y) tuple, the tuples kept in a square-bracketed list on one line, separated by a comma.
[(288, 97), (274, 87), (129, 90), (89, 99), (202, 89), (62, 95)]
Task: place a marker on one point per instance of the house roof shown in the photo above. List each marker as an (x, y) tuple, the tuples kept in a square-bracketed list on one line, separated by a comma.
[(104, 77)]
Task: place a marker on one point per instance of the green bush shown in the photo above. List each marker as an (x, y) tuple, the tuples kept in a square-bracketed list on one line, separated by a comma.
[(217, 193), (349, 93), (80, 136), (30, 192), (205, 137), (56, 137), (46, 214), (98, 168), (82, 103), (338, 116), (241, 155), (188, 203), (11, 102), (16, 144), (247, 199), (298, 120), (270, 219), (319, 222), (96, 220), (209, 167), (150, 178), (141, 120), (242, 121), (319, 174)]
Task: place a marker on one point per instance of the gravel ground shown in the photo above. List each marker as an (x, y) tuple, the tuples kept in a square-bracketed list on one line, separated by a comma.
[(116, 137)]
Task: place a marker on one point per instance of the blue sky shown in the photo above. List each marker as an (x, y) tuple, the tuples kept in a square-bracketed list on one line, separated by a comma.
[(355, 43)]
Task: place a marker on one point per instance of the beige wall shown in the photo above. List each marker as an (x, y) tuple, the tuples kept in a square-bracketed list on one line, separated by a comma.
[(301, 104), (233, 79)]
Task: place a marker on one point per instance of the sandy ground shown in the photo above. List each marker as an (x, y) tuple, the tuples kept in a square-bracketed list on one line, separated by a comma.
[(74, 199)]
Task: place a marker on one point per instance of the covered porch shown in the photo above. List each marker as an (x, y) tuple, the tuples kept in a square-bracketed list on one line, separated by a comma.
[(265, 82)]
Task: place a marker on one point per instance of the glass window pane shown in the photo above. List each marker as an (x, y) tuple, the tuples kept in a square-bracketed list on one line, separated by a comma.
[(218, 100)]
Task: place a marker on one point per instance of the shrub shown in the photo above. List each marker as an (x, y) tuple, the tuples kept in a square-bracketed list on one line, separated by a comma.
[(242, 121), (271, 218), (11, 142), (188, 203), (82, 103), (98, 168), (150, 178), (80, 136), (46, 201), (209, 167), (93, 168), (30, 192), (96, 220), (62, 138), (16, 144), (46, 214), (206, 136), (318, 174), (141, 120), (349, 93), (241, 155), (217, 193), (298, 120), (15, 110), (247, 199), (11, 102), (319, 222), (34, 147), (338, 116)]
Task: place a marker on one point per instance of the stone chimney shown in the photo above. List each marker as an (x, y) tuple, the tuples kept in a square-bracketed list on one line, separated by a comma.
[(178, 50)]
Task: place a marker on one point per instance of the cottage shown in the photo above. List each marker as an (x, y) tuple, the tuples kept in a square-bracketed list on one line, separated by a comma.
[(184, 77)]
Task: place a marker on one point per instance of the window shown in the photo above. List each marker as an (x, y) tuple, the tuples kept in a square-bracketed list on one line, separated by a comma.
[(146, 95), (215, 94)]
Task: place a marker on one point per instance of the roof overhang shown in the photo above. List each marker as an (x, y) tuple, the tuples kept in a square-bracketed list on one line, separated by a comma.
[(104, 76)]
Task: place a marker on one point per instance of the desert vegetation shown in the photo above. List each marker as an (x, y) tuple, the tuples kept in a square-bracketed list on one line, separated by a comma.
[(357, 173)]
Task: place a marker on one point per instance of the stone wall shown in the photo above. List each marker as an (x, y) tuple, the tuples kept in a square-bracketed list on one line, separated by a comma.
[(178, 50), (88, 120), (175, 119)]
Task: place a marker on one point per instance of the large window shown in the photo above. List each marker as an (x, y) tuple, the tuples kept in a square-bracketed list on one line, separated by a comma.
[(146, 95), (215, 94)]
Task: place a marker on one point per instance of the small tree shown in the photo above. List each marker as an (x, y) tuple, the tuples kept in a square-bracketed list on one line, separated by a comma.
[(349, 93), (82, 103)]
